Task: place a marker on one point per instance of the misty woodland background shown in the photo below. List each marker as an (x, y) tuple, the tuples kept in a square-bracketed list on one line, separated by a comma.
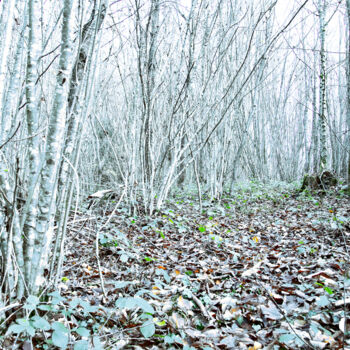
[(174, 174)]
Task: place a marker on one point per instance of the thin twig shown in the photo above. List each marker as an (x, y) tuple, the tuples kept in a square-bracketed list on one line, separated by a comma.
[(202, 308), (284, 315), (11, 137), (97, 238), (9, 307)]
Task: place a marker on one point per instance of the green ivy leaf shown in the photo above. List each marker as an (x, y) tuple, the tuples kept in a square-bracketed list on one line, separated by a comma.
[(188, 347), (16, 328), (41, 323), (46, 307), (169, 339), (81, 345), (286, 338), (97, 343), (148, 329), (60, 339), (201, 228), (74, 302), (31, 302), (330, 291), (147, 258), (56, 298), (161, 323), (87, 307), (82, 331), (60, 328), (132, 303), (23, 325)]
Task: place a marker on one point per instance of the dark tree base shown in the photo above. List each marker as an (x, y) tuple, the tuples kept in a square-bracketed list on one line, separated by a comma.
[(318, 182)]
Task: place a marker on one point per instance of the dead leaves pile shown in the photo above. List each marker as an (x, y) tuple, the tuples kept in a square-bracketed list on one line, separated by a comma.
[(248, 274)]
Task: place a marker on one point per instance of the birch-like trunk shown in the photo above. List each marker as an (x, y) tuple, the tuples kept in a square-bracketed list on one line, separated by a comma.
[(11, 100), (4, 50), (322, 96), (30, 216), (146, 55), (55, 139), (10, 234), (348, 88), (78, 100), (315, 134)]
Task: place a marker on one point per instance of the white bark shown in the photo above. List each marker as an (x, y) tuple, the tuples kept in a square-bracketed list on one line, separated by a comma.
[(81, 85), (55, 139), (10, 102), (4, 51), (34, 49), (348, 88), (322, 93)]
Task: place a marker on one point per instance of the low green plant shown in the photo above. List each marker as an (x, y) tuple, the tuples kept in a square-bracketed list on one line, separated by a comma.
[(39, 318), (330, 291), (148, 326), (107, 240)]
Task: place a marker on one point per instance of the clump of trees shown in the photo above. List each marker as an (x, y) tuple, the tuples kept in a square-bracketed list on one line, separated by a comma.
[(40, 134), (155, 96)]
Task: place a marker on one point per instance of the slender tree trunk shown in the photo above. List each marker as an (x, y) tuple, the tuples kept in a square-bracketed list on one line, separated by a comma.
[(348, 88), (322, 97), (30, 216), (11, 100), (147, 39), (4, 50), (315, 134), (78, 100), (55, 139)]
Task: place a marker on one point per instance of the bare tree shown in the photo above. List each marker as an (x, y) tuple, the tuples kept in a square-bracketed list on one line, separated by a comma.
[(26, 255), (322, 6), (348, 87)]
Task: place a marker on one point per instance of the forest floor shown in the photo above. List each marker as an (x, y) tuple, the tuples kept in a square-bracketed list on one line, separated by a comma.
[(264, 268)]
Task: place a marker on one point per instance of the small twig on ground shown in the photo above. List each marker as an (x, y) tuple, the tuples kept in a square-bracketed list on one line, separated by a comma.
[(284, 316), (79, 220), (202, 308), (97, 238)]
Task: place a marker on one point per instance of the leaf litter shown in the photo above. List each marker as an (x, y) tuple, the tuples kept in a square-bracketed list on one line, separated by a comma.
[(248, 272)]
